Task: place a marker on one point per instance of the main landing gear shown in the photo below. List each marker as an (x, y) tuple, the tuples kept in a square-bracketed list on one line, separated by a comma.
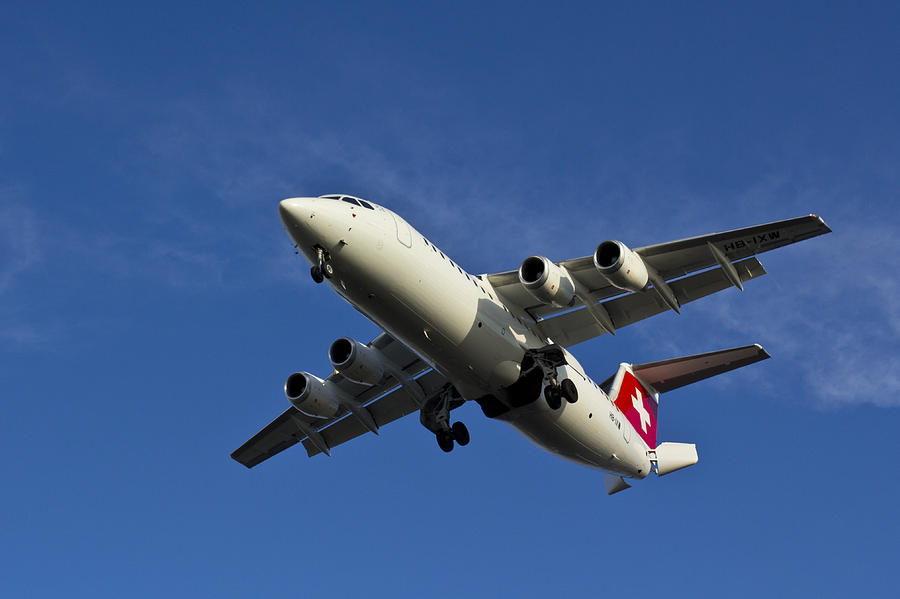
[(549, 359), (435, 416), (458, 433), (554, 393), (322, 269)]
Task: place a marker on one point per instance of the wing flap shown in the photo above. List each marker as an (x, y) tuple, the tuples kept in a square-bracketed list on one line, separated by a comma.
[(578, 325), (391, 407), (677, 372)]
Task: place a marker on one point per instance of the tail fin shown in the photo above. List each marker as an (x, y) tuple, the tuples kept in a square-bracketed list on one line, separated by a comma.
[(637, 401), (635, 388)]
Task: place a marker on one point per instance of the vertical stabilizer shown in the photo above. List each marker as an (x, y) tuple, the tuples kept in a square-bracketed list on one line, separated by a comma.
[(637, 402)]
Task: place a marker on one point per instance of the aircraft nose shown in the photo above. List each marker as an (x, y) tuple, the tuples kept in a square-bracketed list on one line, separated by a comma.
[(313, 221), (295, 211), (297, 214)]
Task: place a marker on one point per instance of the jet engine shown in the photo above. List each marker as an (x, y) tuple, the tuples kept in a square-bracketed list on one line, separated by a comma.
[(356, 361), (622, 267), (311, 395), (546, 281)]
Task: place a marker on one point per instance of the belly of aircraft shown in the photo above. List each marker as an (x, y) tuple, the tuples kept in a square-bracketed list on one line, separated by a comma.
[(585, 432), (438, 314)]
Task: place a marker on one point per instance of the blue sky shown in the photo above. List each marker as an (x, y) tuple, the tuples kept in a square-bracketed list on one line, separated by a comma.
[(151, 304)]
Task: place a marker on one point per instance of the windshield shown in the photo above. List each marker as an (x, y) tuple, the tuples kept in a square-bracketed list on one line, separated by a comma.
[(349, 200)]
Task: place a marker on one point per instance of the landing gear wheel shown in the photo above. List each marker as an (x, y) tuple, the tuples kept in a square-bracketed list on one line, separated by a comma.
[(569, 391), (553, 396), (460, 433), (445, 440), (328, 271), (316, 273)]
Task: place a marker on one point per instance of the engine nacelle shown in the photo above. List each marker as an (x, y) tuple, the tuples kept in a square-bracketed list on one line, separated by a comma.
[(356, 361), (622, 267), (311, 395), (546, 281)]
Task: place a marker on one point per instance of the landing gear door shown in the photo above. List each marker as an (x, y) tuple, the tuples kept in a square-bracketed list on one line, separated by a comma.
[(404, 235)]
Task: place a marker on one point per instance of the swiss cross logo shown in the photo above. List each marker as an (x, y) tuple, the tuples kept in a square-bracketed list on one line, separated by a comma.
[(637, 402), (639, 408)]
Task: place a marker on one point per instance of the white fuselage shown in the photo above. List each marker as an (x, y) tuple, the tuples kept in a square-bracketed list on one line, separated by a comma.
[(456, 322)]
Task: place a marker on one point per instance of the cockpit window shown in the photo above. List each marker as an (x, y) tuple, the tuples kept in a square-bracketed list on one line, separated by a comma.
[(349, 200)]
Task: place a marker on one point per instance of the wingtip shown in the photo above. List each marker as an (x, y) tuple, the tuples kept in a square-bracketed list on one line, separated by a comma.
[(762, 351), (822, 222)]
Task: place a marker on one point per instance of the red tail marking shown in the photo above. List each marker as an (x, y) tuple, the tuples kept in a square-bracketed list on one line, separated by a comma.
[(639, 407)]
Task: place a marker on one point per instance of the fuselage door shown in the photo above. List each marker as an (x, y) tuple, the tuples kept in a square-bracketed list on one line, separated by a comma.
[(404, 235)]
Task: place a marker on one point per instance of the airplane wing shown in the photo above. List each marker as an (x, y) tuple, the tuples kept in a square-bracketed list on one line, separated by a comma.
[(393, 406), (579, 325), (386, 402), (672, 261)]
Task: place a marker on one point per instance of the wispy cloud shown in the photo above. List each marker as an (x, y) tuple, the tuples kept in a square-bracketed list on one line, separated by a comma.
[(20, 252), (829, 315), (19, 243)]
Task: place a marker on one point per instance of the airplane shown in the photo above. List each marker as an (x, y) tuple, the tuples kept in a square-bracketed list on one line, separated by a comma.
[(501, 340)]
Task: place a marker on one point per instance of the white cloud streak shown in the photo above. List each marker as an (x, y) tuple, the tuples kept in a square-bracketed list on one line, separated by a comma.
[(20, 252), (19, 246)]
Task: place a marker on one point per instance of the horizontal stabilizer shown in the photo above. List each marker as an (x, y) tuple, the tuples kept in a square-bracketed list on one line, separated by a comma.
[(670, 457), (671, 374)]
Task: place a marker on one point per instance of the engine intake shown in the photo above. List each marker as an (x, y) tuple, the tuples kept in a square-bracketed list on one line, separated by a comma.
[(356, 361), (621, 266), (546, 281), (311, 395)]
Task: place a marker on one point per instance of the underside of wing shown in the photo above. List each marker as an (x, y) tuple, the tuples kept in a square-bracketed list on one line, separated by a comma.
[(580, 324), (678, 258), (384, 402), (575, 300), (393, 406)]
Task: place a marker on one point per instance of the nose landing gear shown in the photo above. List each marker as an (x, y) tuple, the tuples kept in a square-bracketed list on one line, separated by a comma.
[(323, 269)]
